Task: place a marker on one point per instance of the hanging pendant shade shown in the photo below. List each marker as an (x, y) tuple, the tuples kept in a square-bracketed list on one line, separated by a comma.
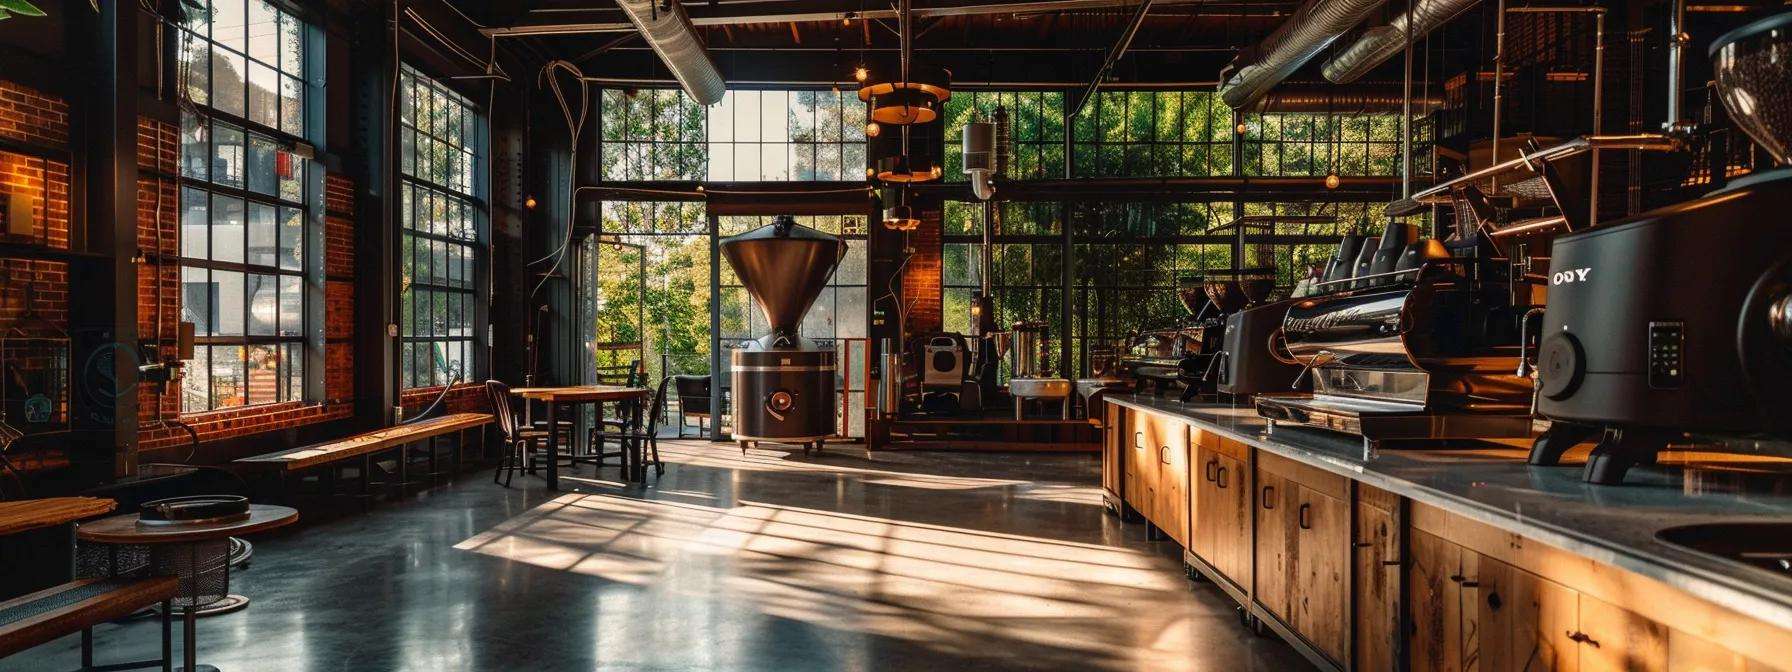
[(934, 81), (903, 169), (903, 107)]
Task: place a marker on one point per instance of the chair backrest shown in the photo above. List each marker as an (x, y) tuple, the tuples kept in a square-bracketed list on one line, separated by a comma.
[(693, 392), (657, 407), (500, 396)]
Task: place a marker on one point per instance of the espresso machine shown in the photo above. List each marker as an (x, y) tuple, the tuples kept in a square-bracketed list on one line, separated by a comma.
[(1253, 358), (1679, 320), (1413, 340), (783, 383)]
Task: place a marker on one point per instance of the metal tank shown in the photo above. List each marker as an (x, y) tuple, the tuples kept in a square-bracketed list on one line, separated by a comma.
[(783, 383)]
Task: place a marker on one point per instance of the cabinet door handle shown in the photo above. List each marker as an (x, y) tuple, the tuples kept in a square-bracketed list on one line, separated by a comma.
[(1163, 454), (1301, 515), (1138, 440), (1208, 470), (1269, 497), (1362, 544), (1222, 477), (1579, 637)]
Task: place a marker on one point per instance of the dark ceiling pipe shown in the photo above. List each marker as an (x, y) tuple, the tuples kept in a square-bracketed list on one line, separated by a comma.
[(1309, 31), (1114, 54)]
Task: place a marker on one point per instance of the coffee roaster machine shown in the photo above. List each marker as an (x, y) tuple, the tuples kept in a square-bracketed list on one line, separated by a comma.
[(1411, 339), (1679, 320), (783, 383)]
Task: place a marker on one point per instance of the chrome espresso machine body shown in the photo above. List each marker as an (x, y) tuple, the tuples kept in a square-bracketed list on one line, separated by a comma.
[(1679, 320), (1415, 340), (783, 383)]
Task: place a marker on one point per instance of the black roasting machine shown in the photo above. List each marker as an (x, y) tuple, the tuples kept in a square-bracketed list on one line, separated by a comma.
[(783, 383)]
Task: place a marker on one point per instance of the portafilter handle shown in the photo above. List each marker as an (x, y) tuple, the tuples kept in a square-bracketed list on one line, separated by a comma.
[(1526, 369)]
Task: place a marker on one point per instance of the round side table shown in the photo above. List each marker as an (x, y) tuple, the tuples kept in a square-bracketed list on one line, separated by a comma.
[(197, 553)]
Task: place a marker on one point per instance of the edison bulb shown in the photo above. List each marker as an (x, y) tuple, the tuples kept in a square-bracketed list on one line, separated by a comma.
[(872, 129), (861, 74), (1332, 180), (529, 202)]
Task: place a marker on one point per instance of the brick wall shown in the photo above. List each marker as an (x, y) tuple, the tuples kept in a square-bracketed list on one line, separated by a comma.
[(921, 292), (34, 293)]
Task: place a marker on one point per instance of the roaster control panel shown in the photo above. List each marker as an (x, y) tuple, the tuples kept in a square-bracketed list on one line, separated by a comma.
[(1667, 363)]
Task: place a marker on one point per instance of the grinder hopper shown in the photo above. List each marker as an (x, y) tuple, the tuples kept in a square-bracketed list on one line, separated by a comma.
[(783, 266)]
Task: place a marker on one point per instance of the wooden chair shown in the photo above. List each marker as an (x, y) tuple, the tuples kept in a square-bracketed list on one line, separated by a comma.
[(518, 441), (641, 436), (693, 401), (634, 375)]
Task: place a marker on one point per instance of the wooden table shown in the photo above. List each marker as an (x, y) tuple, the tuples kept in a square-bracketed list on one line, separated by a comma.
[(171, 540), (37, 540), (31, 514), (554, 397)]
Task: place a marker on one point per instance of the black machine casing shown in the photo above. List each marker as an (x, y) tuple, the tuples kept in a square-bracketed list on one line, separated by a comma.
[(768, 377), (1665, 323), (1247, 365)]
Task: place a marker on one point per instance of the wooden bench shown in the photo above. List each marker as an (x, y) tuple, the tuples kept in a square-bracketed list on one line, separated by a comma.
[(365, 445), (43, 616)]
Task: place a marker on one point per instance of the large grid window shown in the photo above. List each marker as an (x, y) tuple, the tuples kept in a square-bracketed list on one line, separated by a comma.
[(244, 213), (1153, 133), (660, 134), (1317, 144), (1036, 128), (1027, 273), (442, 219)]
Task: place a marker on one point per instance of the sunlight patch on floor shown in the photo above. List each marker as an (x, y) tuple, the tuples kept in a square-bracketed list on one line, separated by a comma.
[(943, 587)]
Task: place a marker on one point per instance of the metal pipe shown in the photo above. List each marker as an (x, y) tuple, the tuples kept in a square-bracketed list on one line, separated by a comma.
[(1499, 75), (670, 33), (1114, 54), (1379, 44), (1406, 112), (1677, 39), (1307, 32)]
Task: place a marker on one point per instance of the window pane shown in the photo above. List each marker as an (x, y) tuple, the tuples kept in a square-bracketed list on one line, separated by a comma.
[(261, 167), (294, 361), (228, 306), (292, 106), (228, 384), (292, 305), (263, 246), (227, 23), (264, 32), (227, 229), (195, 385), (228, 76), (292, 46), (195, 148), (197, 298), (196, 67), (263, 374), (227, 161), (264, 304), (292, 239), (195, 221), (290, 170), (264, 95)]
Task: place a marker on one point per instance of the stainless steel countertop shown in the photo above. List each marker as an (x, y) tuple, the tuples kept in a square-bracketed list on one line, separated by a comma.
[(1613, 525)]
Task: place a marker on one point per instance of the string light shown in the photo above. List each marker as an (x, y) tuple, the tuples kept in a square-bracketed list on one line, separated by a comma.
[(861, 74), (529, 202), (1332, 180)]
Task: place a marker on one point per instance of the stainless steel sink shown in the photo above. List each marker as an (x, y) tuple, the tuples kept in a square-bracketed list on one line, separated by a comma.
[(1765, 545)]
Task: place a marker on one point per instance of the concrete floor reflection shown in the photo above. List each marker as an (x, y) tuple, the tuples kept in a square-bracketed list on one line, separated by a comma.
[(769, 561)]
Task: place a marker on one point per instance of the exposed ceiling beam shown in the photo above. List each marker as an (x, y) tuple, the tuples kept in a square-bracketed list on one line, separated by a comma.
[(832, 12), (1114, 54)]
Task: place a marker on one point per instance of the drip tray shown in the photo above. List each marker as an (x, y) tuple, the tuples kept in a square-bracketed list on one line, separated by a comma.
[(1384, 424)]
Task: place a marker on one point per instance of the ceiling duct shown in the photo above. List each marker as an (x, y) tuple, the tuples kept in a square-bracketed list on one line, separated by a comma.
[(1370, 99), (668, 30), (1307, 32), (1381, 43)]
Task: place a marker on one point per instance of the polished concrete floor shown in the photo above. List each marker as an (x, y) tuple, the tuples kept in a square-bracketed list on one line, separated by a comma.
[(769, 561)]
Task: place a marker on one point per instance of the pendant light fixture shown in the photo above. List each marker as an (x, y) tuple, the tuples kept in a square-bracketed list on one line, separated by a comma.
[(901, 216), (916, 95)]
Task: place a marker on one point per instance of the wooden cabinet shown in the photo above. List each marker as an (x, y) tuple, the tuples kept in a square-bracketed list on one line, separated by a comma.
[(1155, 473), (1303, 542), (1375, 576), (1473, 610), (1221, 526), (1114, 444)]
